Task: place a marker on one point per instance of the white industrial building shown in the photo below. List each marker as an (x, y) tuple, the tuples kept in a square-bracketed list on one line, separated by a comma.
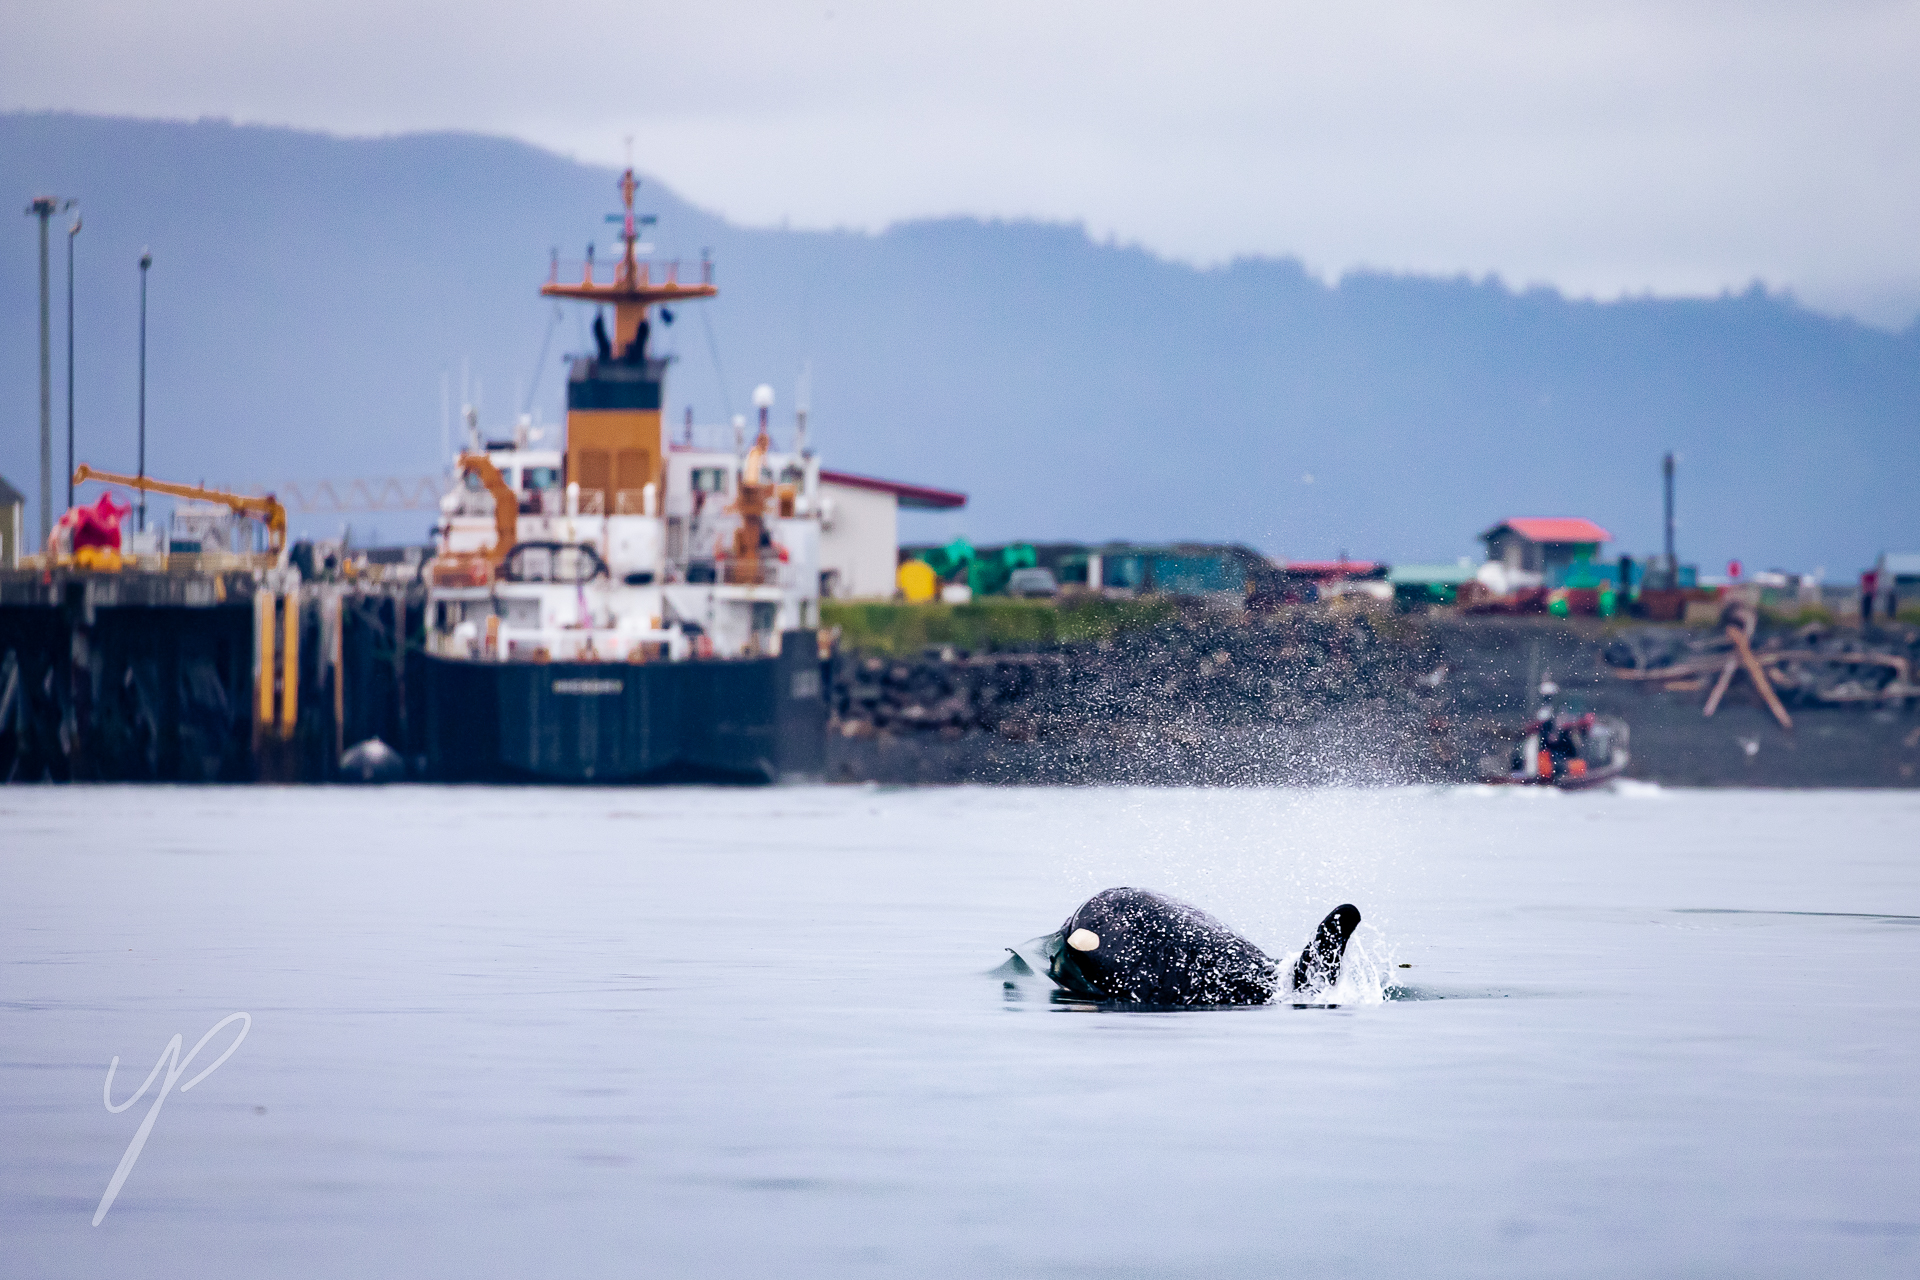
[(860, 531)]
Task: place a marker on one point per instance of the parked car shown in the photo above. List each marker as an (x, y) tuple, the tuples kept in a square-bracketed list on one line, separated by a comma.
[(1032, 582)]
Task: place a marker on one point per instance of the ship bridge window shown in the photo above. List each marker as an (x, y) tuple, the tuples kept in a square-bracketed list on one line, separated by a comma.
[(709, 479), (540, 478)]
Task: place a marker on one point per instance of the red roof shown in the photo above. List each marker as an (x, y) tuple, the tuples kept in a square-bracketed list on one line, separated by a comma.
[(1552, 529), (1330, 570), (912, 496)]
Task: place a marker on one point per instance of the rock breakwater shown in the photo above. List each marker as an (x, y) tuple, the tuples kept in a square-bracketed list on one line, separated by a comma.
[(1318, 696), (1203, 697)]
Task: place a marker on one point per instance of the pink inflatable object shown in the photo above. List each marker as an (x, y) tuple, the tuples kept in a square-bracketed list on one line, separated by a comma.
[(97, 525)]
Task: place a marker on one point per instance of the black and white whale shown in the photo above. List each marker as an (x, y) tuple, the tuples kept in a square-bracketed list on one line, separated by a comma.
[(1141, 947)]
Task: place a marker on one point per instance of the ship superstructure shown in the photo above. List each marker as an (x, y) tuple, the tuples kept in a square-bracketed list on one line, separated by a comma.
[(716, 559), (618, 548)]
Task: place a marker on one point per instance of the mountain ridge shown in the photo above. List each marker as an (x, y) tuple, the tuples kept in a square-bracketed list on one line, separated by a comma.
[(310, 293)]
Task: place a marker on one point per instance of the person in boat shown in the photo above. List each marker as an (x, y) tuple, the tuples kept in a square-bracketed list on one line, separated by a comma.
[(1568, 747), (1557, 741), (1541, 734)]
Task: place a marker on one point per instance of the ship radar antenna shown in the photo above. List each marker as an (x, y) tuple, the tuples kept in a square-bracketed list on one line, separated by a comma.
[(628, 231), (802, 400), (763, 401)]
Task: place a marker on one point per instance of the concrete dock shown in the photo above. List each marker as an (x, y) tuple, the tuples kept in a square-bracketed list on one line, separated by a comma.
[(202, 677)]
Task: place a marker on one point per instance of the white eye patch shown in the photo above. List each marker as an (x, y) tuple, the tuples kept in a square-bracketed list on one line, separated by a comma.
[(1083, 939)]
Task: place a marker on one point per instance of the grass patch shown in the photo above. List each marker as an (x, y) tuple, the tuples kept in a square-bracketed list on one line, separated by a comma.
[(986, 625), (1798, 617)]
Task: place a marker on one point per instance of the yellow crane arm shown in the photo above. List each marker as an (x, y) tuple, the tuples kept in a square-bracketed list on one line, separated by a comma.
[(267, 509)]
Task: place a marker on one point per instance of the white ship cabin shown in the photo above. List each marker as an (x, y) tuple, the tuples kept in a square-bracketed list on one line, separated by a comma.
[(633, 575)]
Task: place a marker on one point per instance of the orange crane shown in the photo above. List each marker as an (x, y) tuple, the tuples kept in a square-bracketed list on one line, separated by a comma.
[(266, 509), (476, 568), (506, 505)]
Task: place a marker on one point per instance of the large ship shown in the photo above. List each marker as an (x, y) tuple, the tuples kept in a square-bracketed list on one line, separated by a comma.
[(622, 608)]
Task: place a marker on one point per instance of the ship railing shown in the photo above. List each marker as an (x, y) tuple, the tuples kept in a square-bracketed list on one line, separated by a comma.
[(593, 502), (647, 271), (630, 502), (721, 437), (756, 573), (733, 573), (709, 437)]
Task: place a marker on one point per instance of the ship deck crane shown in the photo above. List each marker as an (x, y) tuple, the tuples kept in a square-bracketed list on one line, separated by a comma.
[(267, 509)]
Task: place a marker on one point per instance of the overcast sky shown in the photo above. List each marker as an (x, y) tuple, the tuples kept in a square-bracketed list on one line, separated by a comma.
[(1605, 149)]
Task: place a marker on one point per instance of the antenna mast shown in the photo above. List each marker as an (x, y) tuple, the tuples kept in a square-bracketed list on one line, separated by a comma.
[(802, 401)]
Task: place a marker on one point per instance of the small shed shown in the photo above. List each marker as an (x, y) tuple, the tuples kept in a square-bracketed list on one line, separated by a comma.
[(1325, 572), (13, 524), (1415, 586), (1896, 577), (1547, 545)]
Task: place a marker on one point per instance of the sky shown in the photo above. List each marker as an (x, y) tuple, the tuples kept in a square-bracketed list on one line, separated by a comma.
[(1604, 149)]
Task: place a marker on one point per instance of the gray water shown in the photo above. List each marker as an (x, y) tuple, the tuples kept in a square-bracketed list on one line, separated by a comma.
[(730, 1033)]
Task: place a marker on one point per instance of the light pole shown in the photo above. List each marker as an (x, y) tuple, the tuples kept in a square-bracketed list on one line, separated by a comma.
[(43, 208), (146, 261), (1673, 566), (72, 231)]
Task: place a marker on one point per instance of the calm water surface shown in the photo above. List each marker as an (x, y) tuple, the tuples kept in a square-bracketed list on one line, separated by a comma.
[(727, 1033)]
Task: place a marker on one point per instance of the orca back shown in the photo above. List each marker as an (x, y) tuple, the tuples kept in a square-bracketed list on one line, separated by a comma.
[(1142, 947)]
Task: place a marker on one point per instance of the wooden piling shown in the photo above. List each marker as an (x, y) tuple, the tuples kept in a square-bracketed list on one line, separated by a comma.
[(263, 663), (289, 664)]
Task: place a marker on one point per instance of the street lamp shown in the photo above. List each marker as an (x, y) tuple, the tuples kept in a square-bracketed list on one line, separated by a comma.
[(43, 208), (72, 231), (1673, 565), (146, 261)]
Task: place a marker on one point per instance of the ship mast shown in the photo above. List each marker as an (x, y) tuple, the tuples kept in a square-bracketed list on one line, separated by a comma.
[(632, 289), (616, 453)]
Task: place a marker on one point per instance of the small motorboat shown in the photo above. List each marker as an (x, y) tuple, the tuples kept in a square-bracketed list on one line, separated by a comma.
[(1563, 749)]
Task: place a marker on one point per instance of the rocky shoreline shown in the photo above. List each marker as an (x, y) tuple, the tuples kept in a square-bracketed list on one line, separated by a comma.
[(1320, 696)]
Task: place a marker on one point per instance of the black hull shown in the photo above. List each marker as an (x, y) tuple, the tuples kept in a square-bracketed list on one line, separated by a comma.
[(748, 720)]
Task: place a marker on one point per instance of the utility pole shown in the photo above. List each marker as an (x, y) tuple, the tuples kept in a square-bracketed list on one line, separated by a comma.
[(43, 208), (1673, 565), (72, 231), (146, 260)]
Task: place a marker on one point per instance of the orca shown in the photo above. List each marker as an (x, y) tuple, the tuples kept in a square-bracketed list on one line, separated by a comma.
[(1136, 946)]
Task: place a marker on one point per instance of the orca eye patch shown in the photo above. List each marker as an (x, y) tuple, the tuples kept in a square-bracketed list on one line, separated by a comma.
[(1083, 939)]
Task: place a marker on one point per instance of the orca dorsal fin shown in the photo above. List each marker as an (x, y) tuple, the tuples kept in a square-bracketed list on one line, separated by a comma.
[(1319, 964)]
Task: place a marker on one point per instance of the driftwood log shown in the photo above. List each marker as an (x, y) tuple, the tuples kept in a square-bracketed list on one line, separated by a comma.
[(1817, 667)]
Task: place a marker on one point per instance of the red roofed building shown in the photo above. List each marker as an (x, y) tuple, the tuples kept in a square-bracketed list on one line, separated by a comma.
[(860, 530), (1546, 545), (1335, 570)]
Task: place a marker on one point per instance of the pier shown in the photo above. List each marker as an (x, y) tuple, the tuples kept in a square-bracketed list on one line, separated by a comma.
[(233, 676)]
